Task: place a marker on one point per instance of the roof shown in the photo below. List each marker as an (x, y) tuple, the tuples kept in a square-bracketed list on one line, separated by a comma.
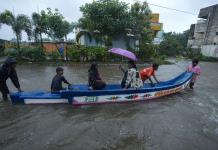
[(204, 12)]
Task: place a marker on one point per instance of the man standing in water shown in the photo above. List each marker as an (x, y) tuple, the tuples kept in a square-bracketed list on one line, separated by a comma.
[(61, 49), (7, 70)]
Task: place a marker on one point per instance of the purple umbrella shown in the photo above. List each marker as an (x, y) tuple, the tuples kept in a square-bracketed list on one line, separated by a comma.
[(124, 53)]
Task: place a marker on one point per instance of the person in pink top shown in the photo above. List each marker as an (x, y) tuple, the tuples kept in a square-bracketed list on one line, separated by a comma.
[(196, 70)]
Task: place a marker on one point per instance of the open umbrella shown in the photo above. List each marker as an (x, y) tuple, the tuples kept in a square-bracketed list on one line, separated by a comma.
[(124, 53)]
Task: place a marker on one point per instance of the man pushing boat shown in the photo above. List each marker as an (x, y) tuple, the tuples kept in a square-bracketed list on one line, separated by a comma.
[(7, 70)]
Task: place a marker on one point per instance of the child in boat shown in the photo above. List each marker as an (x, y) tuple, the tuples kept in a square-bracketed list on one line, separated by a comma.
[(57, 80), (147, 73), (131, 77), (196, 70), (95, 81)]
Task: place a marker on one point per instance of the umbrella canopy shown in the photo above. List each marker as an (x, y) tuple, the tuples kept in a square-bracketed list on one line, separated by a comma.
[(123, 52)]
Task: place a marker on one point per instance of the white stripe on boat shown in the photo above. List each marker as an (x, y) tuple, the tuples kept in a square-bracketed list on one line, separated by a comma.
[(45, 101)]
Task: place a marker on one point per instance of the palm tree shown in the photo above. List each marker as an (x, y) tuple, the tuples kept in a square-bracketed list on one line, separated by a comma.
[(40, 26), (67, 28), (18, 24)]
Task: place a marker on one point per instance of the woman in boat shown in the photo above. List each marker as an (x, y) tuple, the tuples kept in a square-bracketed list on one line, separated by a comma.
[(131, 77), (94, 79)]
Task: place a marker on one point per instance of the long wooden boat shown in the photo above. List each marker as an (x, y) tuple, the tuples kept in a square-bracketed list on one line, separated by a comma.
[(80, 95)]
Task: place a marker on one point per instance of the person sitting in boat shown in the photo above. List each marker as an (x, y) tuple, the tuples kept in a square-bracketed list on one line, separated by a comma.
[(57, 80), (196, 70), (147, 73), (123, 82), (94, 79), (7, 70), (131, 77)]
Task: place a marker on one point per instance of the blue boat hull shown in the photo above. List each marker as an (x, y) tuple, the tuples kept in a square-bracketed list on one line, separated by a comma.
[(80, 95)]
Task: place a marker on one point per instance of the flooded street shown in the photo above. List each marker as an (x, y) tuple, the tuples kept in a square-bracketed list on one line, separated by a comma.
[(184, 121)]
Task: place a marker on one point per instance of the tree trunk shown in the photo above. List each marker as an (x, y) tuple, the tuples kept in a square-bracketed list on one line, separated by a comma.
[(18, 45), (66, 48), (18, 42), (41, 42)]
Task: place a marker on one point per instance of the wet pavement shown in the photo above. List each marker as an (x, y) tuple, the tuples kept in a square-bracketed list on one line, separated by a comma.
[(184, 121)]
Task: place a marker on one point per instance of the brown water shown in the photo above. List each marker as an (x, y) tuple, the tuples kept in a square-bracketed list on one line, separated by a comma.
[(184, 121)]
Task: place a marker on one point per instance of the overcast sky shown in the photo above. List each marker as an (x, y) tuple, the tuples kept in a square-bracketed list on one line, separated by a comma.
[(172, 20)]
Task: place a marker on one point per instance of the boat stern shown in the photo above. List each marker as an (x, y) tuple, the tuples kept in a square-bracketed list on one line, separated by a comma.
[(16, 99)]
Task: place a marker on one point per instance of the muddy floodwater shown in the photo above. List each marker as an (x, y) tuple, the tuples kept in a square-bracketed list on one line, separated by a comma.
[(184, 121)]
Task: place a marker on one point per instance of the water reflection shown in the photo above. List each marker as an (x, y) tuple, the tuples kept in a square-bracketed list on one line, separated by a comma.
[(187, 120)]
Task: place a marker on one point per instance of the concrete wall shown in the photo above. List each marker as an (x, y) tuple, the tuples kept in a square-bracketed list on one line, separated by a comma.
[(119, 43), (212, 26), (209, 50), (190, 42), (201, 26), (195, 43), (84, 40)]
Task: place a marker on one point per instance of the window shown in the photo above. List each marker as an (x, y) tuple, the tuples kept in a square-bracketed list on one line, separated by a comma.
[(216, 33)]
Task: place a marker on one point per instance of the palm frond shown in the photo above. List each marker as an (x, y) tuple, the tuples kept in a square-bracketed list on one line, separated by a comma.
[(7, 18)]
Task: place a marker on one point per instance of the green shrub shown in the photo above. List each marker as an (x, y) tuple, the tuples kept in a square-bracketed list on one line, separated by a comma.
[(146, 52), (73, 53), (11, 52), (27, 53), (54, 55), (34, 54), (87, 53), (95, 52)]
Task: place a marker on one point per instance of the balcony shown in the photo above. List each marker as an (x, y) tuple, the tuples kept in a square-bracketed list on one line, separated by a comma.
[(201, 26)]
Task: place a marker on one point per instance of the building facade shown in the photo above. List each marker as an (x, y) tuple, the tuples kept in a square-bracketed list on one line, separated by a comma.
[(203, 35), (120, 42), (157, 28)]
